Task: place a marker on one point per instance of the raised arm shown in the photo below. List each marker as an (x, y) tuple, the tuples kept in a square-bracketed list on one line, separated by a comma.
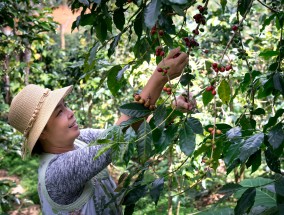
[(175, 61)]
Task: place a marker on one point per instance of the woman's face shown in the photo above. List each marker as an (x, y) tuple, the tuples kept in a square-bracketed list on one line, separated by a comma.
[(61, 130)]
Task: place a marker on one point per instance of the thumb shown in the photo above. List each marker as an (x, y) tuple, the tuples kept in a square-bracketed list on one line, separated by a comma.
[(173, 52)]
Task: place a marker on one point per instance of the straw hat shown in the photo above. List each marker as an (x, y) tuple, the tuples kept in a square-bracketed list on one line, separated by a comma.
[(31, 109)]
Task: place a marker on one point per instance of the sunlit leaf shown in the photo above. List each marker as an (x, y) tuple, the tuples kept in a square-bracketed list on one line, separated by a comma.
[(152, 12), (224, 92)]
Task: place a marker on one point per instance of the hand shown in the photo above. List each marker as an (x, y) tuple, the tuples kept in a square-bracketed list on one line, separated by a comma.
[(185, 104), (176, 61)]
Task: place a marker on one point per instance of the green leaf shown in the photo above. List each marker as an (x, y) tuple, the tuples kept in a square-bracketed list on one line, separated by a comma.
[(254, 161), (207, 97), (86, 19), (224, 91), (229, 188), (187, 139), (134, 110), (152, 12), (130, 137), (159, 116), (273, 120), (138, 25), (168, 40), (256, 182), (144, 144), (113, 44), (223, 4), (113, 84), (156, 189), (267, 21), (118, 18), (276, 136), (272, 160), (195, 125), (250, 146), (279, 185), (278, 82), (258, 111), (166, 138), (234, 133), (217, 211), (135, 194), (102, 151), (246, 201), (178, 1), (186, 78), (268, 53), (101, 29), (244, 6), (232, 153)]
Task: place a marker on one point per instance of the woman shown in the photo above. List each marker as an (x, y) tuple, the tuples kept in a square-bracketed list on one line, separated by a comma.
[(70, 181)]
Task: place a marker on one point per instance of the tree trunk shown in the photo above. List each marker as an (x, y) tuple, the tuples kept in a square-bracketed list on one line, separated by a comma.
[(170, 199)]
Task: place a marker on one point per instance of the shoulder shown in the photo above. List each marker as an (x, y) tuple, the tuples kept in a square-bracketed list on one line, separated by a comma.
[(88, 135)]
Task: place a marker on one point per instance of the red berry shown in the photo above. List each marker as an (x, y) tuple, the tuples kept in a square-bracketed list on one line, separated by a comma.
[(214, 65), (206, 51), (195, 31), (153, 32), (186, 39), (176, 55), (235, 27), (161, 33), (216, 69), (165, 89), (209, 88), (169, 93), (165, 71), (222, 69), (213, 92), (228, 67), (160, 70), (162, 53), (169, 89)]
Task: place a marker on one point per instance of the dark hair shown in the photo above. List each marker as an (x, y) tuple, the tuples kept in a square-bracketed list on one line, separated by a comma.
[(37, 150)]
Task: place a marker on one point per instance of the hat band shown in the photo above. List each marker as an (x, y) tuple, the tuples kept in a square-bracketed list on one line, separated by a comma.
[(35, 113)]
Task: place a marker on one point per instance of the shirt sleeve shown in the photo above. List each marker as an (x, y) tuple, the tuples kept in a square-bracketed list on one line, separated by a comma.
[(68, 173), (89, 135)]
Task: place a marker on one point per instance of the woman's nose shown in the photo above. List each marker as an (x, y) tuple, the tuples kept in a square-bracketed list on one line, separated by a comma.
[(70, 113)]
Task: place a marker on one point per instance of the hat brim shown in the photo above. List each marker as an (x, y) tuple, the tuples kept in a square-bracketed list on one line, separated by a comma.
[(44, 114)]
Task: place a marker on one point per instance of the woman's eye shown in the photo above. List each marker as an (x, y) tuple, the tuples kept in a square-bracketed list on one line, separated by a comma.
[(59, 112)]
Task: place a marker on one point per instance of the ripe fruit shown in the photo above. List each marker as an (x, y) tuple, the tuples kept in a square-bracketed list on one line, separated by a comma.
[(218, 131), (210, 129), (176, 55), (235, 28), (153, 30), (213, 92), (209, 88), (222, 69), (229, 67), (161, 33), (195, 31), (162, 53), (214, 65), (160, 69)]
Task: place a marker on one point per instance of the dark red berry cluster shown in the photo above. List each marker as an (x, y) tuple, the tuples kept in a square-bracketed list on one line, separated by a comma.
[(212, 89), (220, 68), (190, 42), (199, 18), (160, 51), (201, 8), (154, 30), (164, 70), (167, 89)]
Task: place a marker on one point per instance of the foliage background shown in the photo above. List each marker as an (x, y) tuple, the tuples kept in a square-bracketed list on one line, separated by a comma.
[(245, 159)]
